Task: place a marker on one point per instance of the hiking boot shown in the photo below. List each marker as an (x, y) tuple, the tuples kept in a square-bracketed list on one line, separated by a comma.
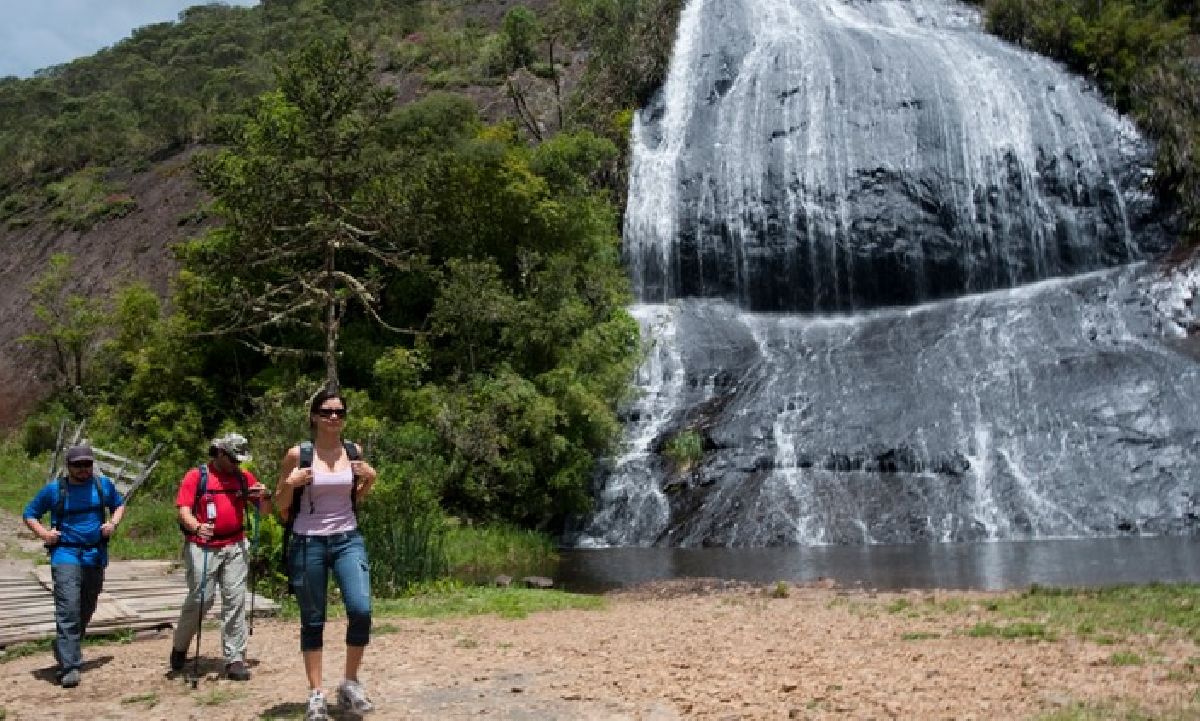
[(70, 679), (237, 671), (353, 697), (317, 709), (178, 659)]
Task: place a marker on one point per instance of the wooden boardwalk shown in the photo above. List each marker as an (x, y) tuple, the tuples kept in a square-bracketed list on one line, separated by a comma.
[(137, 595)]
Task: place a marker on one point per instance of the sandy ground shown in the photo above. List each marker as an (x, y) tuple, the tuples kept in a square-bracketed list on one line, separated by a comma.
[(688, 649), (684, 650)]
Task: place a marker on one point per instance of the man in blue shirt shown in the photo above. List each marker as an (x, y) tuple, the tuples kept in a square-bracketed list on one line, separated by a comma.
[(78, 543)]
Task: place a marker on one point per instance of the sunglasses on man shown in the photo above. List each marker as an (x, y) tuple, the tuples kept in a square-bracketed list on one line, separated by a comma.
[(80, 464)]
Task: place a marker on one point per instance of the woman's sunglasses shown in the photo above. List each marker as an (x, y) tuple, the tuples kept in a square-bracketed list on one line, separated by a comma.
[(331, 412)]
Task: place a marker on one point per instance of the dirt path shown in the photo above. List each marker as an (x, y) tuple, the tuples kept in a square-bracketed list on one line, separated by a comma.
[(676, 652), (670, 651)]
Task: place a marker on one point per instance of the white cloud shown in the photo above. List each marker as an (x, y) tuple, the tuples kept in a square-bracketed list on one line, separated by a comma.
[(37, 34)]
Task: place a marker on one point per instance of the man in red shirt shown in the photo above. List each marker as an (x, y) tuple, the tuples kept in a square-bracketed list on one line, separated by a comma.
[(212, 503)]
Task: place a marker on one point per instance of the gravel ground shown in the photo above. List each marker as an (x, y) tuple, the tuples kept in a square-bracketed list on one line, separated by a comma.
[(704, 650)]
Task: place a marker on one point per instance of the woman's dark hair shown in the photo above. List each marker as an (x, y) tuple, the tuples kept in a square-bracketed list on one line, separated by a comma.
[(318, 400)]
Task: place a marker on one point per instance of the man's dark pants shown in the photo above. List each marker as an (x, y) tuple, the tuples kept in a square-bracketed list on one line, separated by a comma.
[(76, 590)]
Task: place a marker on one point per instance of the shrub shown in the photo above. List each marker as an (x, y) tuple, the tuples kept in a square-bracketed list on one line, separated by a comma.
[(685, 449)]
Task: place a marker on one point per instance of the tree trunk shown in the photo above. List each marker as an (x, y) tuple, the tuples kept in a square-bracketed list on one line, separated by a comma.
[(78, 353), (331, 319)]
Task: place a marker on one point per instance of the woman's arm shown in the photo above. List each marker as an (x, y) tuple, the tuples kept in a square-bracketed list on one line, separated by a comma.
[(365, 474), (290, 478)]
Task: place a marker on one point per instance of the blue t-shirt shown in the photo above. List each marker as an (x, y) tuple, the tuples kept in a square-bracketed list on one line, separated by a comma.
[(81, 520)]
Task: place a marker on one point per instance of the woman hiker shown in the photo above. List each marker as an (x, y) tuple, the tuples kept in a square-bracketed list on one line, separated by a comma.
[(320, 484)]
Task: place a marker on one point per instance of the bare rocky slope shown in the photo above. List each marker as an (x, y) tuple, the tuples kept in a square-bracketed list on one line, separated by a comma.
[(135, 247)]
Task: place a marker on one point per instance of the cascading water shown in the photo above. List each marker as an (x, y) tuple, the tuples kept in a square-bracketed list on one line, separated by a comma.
[(890, 271)]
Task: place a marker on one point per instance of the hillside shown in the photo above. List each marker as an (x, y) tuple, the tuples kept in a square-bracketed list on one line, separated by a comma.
[(167, 204), (133, 247)]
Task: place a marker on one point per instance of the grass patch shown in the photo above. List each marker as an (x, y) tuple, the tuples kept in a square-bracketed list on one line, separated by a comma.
[(1103, 615), (149, 700), (29, 648), (23, 476), (479, 600), (1122, 711), (383, 629), (447, 599), (477, 554), (148, 531), (1125, 658), (919, 636), (218, 696), (85, 198), (1034, 631), (44, 645)]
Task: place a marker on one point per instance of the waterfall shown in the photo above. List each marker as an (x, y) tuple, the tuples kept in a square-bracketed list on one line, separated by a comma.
[(893, 270)]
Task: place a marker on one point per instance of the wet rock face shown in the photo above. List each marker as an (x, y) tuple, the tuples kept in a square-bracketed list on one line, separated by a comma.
[(874, 154), (1056, 410), (944, 229)]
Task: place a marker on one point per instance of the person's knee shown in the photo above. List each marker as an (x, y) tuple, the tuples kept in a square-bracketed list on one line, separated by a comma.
[(358, 628), (312, 636)]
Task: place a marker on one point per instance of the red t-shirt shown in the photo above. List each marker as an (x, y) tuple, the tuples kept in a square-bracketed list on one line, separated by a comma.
[(225, 491)]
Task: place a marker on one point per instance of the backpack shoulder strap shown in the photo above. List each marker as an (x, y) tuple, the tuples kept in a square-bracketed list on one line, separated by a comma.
[(305, 461), (201, 487), (306, 455), (353, 454), (60, 505), (100, 498)]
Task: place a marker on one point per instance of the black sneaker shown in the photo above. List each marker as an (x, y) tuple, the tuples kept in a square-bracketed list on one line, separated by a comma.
[(178, 659), (237, 671)]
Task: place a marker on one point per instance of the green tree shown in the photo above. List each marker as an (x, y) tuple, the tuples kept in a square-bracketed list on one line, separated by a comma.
[(68, 323), (310, 228), (521, 32)]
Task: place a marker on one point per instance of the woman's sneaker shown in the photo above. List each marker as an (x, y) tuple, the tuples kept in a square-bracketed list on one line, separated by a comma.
[(353, 697), (317, 709)]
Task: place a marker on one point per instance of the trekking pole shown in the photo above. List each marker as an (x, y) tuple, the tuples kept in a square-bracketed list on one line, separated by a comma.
[(251, 563), (200, 619)]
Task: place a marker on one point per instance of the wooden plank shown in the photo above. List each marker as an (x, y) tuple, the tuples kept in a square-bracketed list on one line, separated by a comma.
[(100, 453), (137, 595)]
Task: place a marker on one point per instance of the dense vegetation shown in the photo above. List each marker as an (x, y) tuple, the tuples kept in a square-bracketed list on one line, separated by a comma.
[(1145, 56), (460, 280)]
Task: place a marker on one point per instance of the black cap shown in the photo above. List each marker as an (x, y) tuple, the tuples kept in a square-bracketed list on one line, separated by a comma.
[(79, 453)]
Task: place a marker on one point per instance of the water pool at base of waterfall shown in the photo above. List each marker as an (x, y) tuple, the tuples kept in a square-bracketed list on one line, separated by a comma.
[(996, 566)]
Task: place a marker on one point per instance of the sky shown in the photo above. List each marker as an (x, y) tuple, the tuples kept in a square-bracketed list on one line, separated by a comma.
[(36, 34)]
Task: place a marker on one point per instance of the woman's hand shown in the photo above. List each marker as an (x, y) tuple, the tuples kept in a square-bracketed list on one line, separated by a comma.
[(365, 476), (299, 477)]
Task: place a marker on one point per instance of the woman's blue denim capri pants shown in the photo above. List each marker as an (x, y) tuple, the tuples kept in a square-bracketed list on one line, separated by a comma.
[(310, 559)]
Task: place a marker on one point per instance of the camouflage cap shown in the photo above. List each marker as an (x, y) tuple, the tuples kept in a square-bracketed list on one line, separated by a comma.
[(235, 446)]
